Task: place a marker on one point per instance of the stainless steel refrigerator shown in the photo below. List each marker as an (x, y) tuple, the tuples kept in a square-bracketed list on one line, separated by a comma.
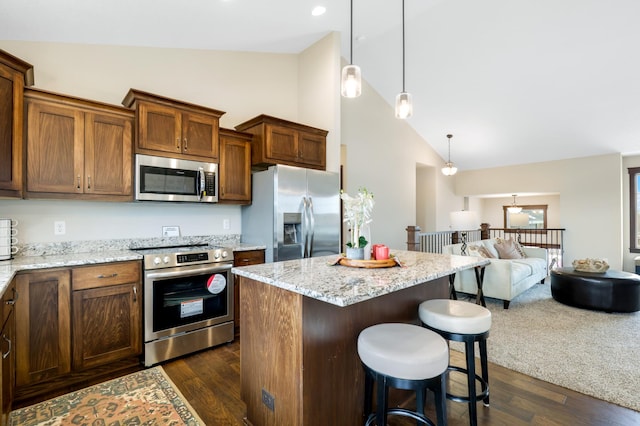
[(295, 212)]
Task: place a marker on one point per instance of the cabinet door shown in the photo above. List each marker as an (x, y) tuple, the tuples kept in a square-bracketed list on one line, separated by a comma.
[(200, 135), (43, 334), (159, 128), (7, 337), (11, 89), (312, 150), (108, 157), (106, 325), (281, 143), (55, 148), (235, 170)]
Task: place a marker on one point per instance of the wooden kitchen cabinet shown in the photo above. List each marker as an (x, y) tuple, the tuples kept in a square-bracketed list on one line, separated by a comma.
[(78, 149), (278, 141), (106, 318), (15, 74), (7, 341), (242, 258), (235, 167), (43, 327), (168, 127), (76, 324)]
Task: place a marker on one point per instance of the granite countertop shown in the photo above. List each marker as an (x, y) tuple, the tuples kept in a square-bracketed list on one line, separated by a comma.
[(8, 268), (339, 285)]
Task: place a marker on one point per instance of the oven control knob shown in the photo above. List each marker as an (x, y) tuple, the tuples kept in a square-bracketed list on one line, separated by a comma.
[(166, 259), (216, 255), (156, 260), (224, 254)]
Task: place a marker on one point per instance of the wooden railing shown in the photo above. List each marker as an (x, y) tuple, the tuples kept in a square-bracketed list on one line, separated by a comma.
[(432, 242)]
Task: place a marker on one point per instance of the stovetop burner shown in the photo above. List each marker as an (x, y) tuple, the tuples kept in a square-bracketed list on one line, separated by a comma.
[(168, 257)]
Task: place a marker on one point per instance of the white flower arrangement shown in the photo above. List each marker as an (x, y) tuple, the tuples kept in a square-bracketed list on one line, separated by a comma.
[(357, 213)]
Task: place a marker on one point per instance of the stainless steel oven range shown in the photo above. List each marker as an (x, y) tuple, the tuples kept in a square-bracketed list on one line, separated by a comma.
[(188, 300)]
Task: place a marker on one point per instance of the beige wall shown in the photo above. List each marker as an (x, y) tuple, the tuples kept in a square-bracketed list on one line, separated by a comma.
[(590, 194), (294, 87)]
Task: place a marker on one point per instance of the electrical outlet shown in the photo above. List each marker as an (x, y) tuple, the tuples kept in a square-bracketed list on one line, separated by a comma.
[(225, 223), (59, 227), (268, 400)]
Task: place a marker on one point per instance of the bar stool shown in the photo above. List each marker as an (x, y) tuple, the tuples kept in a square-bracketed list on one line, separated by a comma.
[(403, 356), (462, 322)]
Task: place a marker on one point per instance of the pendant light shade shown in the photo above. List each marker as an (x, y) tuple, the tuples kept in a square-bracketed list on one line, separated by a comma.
[(351, 81), (404, 101), (449, 169), (514, 207)]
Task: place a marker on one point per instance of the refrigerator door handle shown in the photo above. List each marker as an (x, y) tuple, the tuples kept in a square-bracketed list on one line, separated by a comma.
[(305, 227), (312, 227)]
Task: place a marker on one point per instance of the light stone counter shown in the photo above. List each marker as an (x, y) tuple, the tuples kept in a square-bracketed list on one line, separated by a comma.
[(339, 285)]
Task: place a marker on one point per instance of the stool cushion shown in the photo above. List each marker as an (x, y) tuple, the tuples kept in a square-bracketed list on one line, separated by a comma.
[(455, 316), (404, 351)]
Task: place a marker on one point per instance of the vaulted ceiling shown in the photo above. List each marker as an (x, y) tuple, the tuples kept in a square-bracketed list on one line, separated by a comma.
[(515, 81)]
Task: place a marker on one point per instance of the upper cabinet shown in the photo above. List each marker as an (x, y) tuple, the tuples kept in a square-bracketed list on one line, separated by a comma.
[(278, 141), (235, 167), (15, 74), (77, 148), (168, 127)]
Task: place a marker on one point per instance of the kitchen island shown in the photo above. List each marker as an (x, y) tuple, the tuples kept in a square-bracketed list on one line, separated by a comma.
[(299, 324)]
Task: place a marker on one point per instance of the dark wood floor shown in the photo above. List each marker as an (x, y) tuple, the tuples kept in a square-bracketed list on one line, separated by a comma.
[(210, 381)]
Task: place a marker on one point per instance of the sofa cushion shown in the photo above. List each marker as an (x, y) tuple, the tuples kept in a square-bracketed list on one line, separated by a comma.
[(536, 265), (488, 245), (508, 249), (520, 271)]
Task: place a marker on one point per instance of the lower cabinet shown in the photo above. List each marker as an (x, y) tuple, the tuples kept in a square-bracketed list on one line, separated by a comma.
[(7, 339), (73, 324), (242, 258)]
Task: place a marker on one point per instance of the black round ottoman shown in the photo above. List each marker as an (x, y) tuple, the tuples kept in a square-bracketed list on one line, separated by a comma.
[(611, 291)]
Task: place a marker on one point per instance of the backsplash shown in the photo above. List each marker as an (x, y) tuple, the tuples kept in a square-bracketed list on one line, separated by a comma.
[(70, 247)]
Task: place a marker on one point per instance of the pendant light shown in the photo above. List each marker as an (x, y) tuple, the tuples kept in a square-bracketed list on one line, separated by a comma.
[(449, 169), (351, 82), (404, 101), (513, 208)]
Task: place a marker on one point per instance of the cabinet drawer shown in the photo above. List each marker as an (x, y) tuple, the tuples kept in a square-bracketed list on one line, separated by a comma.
[(248, 257), (105, 275)]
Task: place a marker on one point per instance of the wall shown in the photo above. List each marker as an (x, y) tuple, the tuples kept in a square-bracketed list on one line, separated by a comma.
[(383, 155), (591, 202), (243, 84)]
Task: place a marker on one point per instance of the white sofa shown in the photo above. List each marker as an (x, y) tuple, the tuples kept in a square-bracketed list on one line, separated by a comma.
[(504, 278)]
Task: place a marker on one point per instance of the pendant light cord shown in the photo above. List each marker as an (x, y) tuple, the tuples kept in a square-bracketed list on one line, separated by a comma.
[(403, 67), (351, 36)]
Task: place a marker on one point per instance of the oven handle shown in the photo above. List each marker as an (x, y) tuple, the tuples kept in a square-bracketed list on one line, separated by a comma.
[(184, 271)]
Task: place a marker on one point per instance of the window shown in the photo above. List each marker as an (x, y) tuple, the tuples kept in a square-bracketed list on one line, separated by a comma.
[(537, 216), (634, 223)]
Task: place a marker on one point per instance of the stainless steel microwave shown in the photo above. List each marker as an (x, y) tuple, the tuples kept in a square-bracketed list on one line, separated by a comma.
[(171, 179)]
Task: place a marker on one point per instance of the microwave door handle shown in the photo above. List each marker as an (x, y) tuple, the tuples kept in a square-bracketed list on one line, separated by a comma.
[(200, 183)]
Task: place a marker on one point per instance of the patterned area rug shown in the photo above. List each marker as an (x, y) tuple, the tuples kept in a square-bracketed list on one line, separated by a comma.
[(147, 397), (591, 352)]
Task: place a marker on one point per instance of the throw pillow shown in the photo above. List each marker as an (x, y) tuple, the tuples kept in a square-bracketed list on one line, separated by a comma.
[(507, 249), (481, 251)]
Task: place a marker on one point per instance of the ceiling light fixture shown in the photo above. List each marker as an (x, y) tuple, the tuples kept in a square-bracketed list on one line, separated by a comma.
[(514, 208), (351, 82), (318, 11), (404, 101), (449, 169)]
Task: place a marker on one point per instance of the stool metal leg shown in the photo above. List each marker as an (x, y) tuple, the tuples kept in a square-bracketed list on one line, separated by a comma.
[(471, 382), (485, 369), (368, 393), (440, 392), (381, 400)]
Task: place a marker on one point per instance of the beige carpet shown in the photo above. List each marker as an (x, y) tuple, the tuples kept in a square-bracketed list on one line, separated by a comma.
[(591, 352), (144, 398)]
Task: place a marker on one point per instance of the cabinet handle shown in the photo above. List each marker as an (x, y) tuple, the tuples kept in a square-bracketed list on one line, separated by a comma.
[(178, 144), (135, 294), (4, 355), (78, 185), (88, 182), (115, 274), (185, 144)]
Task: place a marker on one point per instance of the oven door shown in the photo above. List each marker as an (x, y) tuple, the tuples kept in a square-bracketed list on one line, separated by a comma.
[(182, 299)]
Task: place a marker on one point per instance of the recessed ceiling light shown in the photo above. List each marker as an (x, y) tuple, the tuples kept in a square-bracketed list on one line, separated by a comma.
[(318, 10)]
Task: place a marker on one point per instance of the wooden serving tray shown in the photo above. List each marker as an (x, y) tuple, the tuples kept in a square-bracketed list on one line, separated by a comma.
[(355, 263)]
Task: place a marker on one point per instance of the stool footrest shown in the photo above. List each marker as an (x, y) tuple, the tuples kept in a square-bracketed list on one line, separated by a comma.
[(401, 412), (479, 397)]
